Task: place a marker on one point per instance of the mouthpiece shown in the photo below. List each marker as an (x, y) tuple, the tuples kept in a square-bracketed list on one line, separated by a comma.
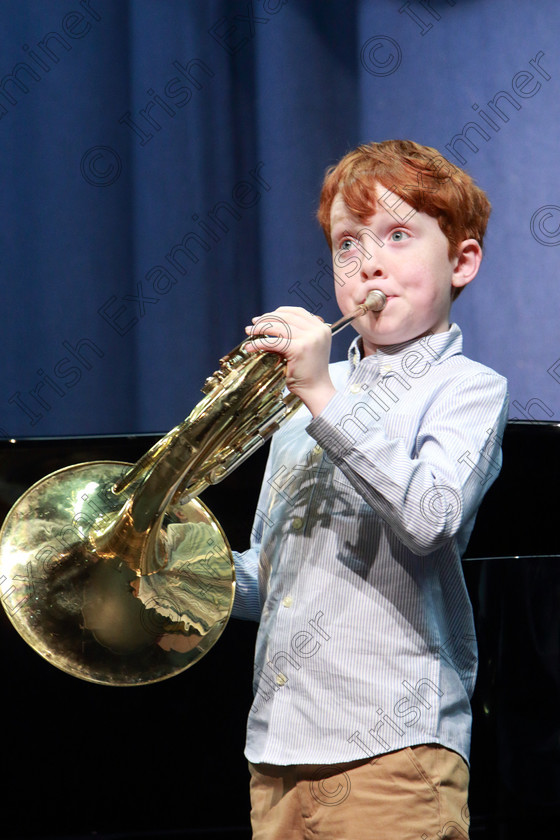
[(375, 301)]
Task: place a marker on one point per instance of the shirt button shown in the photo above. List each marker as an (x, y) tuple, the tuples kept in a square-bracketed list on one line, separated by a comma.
[(317, 449), (355, 388), (297, 523), (281, 679), (386, 368), (288, 601)]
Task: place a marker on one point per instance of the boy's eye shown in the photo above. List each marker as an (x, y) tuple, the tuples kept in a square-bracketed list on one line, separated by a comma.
[(399, 235), (346, 245)]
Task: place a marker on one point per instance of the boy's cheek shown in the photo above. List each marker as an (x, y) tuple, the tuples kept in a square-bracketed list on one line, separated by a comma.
[(344, 285), (346, 266), (343, 296)]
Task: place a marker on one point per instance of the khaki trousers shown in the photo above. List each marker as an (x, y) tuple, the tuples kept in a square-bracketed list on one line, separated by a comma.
[(417, 793)]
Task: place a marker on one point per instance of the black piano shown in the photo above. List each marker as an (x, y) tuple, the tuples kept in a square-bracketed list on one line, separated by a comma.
[(83, 760)]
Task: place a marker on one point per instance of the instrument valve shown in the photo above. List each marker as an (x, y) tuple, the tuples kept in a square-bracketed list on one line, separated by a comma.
[(209, 385), (212, 382)]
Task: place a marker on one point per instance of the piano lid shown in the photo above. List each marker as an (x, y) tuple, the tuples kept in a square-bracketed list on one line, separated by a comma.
[(517, 516)]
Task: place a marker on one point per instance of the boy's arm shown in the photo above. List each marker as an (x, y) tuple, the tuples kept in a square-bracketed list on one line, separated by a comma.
[(305, 342), (247, 603), (427, 497)]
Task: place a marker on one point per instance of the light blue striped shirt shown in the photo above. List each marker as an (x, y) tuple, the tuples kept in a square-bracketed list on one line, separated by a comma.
[(366, 641)]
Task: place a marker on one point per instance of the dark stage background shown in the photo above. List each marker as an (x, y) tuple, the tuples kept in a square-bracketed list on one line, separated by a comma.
[(166, 760), (160, 164)]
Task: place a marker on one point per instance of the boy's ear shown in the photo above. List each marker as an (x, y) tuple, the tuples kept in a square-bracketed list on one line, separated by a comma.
[(467, 263)]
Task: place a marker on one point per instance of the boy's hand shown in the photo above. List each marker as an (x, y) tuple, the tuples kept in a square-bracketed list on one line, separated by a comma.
[(304, 340)]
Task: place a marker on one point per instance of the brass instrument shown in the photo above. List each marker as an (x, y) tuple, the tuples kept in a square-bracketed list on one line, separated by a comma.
[(117, 573)]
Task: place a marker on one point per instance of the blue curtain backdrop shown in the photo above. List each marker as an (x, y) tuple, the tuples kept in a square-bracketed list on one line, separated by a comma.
[(161, 162)]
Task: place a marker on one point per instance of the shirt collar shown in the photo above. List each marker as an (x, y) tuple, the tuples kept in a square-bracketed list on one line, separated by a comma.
[(437, 346)]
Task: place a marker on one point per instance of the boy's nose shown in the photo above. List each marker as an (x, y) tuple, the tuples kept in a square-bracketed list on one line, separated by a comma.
[(371, 267)]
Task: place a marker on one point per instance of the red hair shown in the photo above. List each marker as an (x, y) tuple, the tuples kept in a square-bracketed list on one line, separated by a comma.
[(419, 175)]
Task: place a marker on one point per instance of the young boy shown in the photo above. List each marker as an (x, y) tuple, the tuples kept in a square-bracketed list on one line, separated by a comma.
[(366, 654)]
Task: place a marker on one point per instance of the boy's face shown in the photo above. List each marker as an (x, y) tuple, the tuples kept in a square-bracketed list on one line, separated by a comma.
[(403, 253)]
